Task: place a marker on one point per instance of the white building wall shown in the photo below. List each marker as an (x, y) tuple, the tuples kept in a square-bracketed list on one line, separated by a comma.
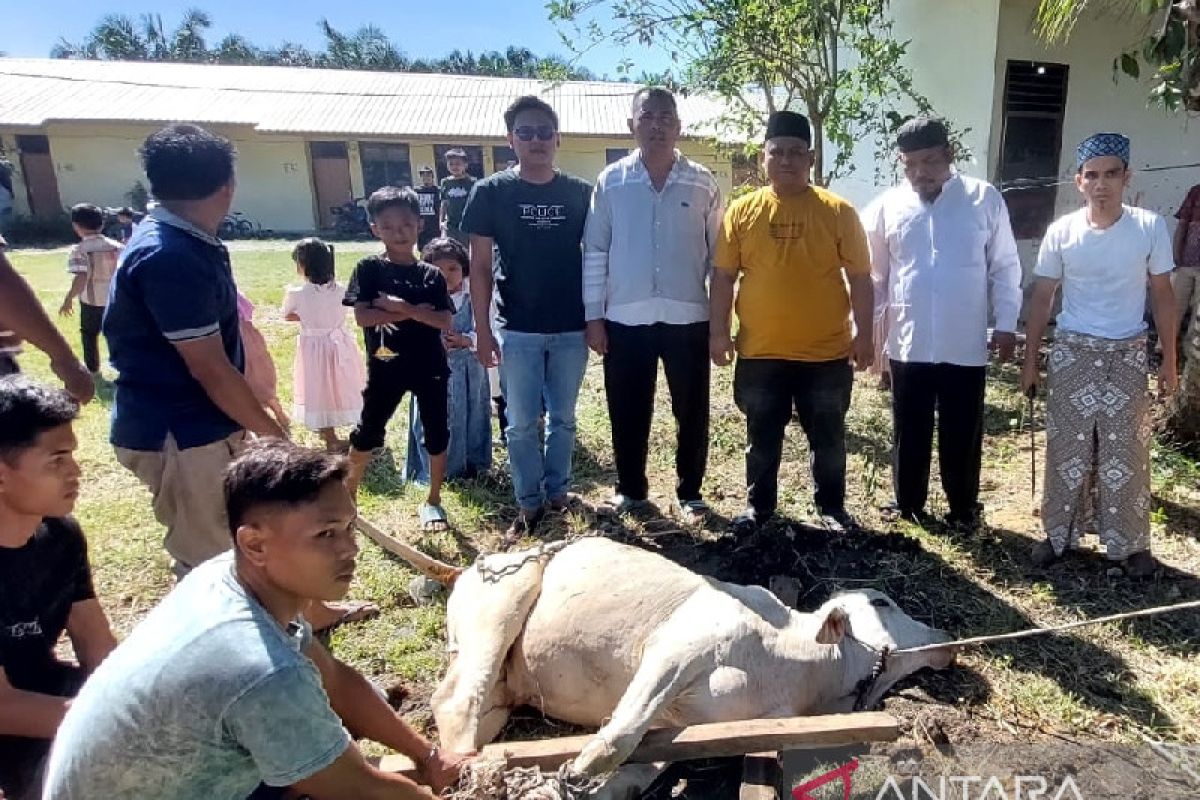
[(951, 50), (1095, 103)]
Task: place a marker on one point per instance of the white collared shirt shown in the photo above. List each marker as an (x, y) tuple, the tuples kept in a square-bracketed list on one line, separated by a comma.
[(937, 265), (647, 254)]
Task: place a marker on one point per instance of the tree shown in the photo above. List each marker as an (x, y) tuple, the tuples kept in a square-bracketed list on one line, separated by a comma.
[(120, 37), (834, 59), (1168, 43)]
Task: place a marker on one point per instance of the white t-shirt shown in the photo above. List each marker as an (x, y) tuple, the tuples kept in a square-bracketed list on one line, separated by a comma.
[(1103, 272)]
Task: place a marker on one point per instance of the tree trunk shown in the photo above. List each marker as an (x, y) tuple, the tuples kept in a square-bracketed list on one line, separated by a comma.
[(1183, 422), (818, 148)]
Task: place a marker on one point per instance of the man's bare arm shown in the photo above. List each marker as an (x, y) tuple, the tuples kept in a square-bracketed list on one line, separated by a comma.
[(351, 776), (21, 311), (29, 714), (91, 636), (225, 385)]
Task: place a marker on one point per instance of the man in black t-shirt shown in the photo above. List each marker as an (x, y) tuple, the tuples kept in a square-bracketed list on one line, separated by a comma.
[(403, 307), (430, 196), (456, 189), (45, 580), (534, 216)]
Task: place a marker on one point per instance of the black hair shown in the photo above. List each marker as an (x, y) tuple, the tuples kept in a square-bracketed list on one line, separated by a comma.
[(272, 472), (393, 197), (456, 152), (656, 93), (27, 410), (316, 257), (445, 247), (528, 103), (187, 162), (87, 216), (125, 211)]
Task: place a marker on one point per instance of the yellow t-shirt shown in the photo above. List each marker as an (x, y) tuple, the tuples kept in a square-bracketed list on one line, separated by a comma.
[(793, 255)]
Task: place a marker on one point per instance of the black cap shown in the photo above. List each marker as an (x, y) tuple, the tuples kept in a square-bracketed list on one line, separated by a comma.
[(789, 123), (922, 133)]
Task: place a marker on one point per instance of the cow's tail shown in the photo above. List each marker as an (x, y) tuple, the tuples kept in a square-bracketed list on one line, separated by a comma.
[(440, 571)]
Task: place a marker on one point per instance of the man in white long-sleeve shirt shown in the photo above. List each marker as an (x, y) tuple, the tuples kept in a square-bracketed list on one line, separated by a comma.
[(941, 249), (648, 247)]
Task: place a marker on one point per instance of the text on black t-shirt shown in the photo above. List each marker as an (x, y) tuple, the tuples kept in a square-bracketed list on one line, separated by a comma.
[(414, 344)]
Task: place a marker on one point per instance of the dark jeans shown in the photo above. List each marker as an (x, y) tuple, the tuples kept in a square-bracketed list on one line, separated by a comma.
[(90, 318), (8, 365), (766, 389), (630, 375), (22, 759), (957, 395)]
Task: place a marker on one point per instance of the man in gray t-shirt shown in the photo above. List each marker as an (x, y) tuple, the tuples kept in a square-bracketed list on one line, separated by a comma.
[(222, 686)]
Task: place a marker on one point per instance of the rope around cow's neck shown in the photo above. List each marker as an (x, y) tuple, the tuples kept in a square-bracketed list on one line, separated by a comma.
[(1002, 637)]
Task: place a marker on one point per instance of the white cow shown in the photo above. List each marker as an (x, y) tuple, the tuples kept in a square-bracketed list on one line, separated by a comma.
[(607, 635)]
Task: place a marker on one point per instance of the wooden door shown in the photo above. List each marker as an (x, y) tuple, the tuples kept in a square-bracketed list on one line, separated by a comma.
[(41, 183), (331, 179)]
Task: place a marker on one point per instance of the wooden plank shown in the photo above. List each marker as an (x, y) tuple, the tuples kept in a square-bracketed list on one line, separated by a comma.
[(430, 567), (711, 740), (762, 776)]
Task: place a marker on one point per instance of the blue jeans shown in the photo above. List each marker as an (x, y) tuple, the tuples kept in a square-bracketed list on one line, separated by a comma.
[(537, 368)]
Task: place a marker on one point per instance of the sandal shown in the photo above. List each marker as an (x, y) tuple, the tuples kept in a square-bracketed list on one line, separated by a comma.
[(692, 512), (342, 613), (433, 517)]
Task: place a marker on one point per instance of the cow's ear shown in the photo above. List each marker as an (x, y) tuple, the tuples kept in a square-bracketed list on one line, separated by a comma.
[(834, 627)]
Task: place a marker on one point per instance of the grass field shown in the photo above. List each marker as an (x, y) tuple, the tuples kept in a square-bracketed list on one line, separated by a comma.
[(1113, 682)]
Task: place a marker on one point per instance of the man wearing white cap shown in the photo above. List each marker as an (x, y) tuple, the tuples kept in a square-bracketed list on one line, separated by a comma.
[(1097, 407)]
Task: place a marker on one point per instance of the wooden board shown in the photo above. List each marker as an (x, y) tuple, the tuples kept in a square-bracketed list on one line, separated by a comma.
[(710, 740)]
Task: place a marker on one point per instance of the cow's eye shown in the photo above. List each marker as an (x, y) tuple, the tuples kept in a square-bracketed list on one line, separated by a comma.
[(880, 602)]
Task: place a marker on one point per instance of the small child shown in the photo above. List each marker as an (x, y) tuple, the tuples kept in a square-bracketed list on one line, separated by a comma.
[(93, 262), (403, 307), (329, 374), (260, 368), (430, 196), (45, 579), (456, 190), (125, 220), (470, 449)]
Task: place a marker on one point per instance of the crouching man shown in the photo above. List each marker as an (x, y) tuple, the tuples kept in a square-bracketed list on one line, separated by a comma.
[(222, 686)]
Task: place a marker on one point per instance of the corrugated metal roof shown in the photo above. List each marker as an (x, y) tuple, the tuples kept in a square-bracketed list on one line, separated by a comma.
[(317, 101)]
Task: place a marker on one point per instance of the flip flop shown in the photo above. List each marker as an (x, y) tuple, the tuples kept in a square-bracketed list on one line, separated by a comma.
[(433, 518), (352, 611)]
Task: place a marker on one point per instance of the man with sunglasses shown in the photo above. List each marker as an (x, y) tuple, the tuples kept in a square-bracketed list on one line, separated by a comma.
[(648, 250), (534, 216)]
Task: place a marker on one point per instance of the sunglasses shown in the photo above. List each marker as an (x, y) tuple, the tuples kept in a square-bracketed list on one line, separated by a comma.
[(527, 133)]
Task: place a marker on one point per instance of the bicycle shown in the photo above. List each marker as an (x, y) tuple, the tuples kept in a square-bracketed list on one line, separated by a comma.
[(238, 226)]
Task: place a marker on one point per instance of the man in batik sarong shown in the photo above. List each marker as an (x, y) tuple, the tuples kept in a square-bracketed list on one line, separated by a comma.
[(1097, 397)]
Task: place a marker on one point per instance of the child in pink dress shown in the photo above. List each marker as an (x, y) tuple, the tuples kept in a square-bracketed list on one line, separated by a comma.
[(330, 372)]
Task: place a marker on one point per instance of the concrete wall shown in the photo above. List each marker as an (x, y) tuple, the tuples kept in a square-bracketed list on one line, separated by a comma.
[(951, 49), (1095, 103)]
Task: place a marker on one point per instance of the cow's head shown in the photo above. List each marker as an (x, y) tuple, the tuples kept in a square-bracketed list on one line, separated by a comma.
[(866, 621)]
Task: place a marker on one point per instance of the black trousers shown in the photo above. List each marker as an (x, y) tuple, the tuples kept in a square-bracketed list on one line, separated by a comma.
[(766, 389), (630, 375), (8, 365), (23, 760), (90, 318), (956, 393)]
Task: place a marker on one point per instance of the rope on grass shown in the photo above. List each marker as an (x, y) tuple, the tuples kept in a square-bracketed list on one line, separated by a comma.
[(1025, 634), (492, 779)]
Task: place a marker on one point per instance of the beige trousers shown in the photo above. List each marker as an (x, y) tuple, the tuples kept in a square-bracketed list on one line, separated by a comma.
[(189, 496)]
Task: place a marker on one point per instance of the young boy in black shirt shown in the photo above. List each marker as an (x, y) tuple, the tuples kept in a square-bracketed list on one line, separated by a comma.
[(403, 307), (45, 580), (430, 196)]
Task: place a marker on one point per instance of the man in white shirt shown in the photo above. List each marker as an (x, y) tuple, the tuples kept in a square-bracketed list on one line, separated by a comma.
[(941, 248), (1098, 426), (648, 247)]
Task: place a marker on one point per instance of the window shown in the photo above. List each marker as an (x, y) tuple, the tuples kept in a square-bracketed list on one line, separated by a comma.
[(745, 170), (474, 159), (384, 165), (33, 144), (503, 157), (612, 154), (1035, 99)]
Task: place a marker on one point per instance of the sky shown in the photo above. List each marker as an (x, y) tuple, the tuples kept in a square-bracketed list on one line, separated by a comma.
[(421, 29)]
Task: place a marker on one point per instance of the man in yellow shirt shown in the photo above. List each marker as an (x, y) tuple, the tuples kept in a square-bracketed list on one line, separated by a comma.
[(788, 251)]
